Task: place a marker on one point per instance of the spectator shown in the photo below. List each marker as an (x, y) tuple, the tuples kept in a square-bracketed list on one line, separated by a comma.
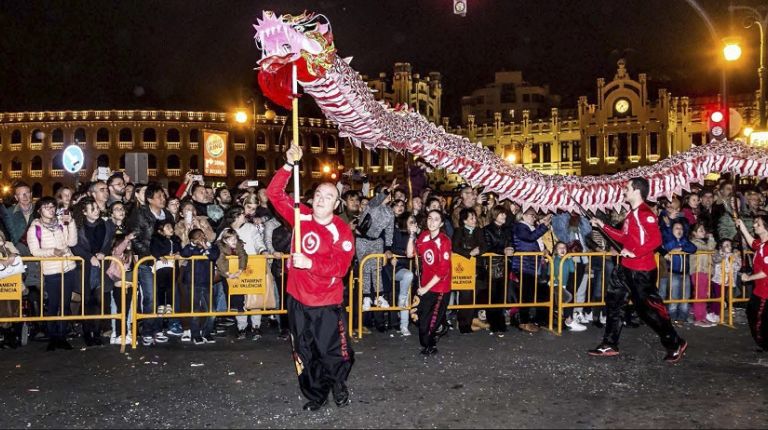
[(350, 210), (264, 211), (116, 187), (701, 268), (64, 197), (9, 256), (498, 240), (706, 214), (277, 238), (174, 207), (94, 242), (727, 266), (191, 221), (677, 280), (564, 273), (433, 203), (201, 289), (100, 194), (230, 245), (374, 236), (121, 250), (691, 208), (48, 236), (199, 199), (468, 199), (165, 244), (573, 230), (469, 242), (19, 216), (527, 238), (142, 222)]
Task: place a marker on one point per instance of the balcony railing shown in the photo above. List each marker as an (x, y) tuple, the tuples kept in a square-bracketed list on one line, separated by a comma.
[(634, 158), (57, 173), (194, 145), (102, 145), (593, 160), (57, 145), (152, 172), (149, 145), (240, 146), (173, 172), (331, 150), (261, 173), (125, 145), (316, 175), (35, 173), (36, 146), (261, 146), (241, 172), (15, 174), (374, 169), (315, 149), (15, 147), (173, 145)]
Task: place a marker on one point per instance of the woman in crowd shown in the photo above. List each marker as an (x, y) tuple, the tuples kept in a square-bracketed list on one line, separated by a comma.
[(498, 240), (49, 236), (701, 268), (230, 245), (469, 242), (399, 270), (527, 238), (64, 197), (727, 266), (174, 205)]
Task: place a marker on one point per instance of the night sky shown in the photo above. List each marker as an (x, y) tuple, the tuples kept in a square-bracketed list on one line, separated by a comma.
[(196, 54)]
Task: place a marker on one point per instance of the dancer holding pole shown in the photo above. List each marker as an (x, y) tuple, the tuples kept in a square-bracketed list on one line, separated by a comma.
[(321, 256)]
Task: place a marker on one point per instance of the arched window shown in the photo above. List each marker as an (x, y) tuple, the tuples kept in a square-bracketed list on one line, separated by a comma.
[(240, 163), (37, 136), (16, 136), (261, 163), (239, 137), (317, 166), (102, 135), (375, 159), (57, 136), (122, 162), (261, 138), (193, 164), (152, 162), (16, 165), (330, 142), (173, 162), (173, 135), (126, 135), (194, 135), (56, 163), (102, 161), (315, 142), (149, 135), (37, 190), (36, 163), (79, 136)]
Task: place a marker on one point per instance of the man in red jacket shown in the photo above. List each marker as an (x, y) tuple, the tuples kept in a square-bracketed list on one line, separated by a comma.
[(636, 276), (321, 351)]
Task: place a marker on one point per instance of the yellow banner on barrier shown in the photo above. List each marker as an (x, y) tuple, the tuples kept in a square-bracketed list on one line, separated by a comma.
[(464, 273), (11, 288), (253, 280)]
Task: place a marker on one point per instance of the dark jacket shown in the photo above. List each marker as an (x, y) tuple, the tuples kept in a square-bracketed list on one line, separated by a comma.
[(85, 249), (202, 268), (526, 240), (399, 245), (15, 223), (142, 222), (162, 246), (497, 238), (679, 263), (463, 242)]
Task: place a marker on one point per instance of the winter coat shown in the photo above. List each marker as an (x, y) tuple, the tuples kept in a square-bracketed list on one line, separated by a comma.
[(142, 222), (679, 263), (202, 268), (526, 239), (702, 262)]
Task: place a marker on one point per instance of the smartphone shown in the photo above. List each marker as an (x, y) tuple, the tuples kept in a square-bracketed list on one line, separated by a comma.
[(197, 178), (252, 183), (103, 173)]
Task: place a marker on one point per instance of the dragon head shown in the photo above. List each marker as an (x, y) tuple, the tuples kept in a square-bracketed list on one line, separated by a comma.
[(305, 40)]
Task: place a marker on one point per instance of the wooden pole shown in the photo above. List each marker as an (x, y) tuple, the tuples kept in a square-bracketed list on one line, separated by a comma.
[(296, 191)]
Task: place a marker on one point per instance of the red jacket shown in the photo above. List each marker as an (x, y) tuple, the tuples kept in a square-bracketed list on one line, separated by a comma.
[(760, 264), (330, 247), (435, 260), (640, 235)]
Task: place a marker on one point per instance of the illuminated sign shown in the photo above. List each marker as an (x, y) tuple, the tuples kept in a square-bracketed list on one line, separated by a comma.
[(759, 138)]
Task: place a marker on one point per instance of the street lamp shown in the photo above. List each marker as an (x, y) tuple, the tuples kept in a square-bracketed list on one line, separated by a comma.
[(731, 49), (241, 117), (753, 16)]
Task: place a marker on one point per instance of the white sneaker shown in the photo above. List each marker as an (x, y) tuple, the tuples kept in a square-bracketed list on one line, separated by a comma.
[(713, 318), (481, 314), (161, 309), (147, 340), (603, 319), (404, 331), (187, 336), (704, 324), (588, 317), (366, 304), (382, 302), (128, 339), (160, 337), (168, 309), (579, 318), (114, 340), (575, 325)]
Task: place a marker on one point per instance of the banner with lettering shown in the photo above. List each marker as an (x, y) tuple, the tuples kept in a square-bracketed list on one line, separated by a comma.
[(11, 287), (254, 278), (215, 153), (464, 273)]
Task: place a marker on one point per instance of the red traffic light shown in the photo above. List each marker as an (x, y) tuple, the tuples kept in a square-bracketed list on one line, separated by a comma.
[(716, 126), (716, 116)]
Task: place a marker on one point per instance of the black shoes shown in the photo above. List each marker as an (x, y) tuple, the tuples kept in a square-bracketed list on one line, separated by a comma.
[(341, 395), (430, 350), (313, 406), (675, 355)]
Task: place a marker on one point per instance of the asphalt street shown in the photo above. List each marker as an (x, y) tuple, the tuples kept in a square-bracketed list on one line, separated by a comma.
[(476, 380)]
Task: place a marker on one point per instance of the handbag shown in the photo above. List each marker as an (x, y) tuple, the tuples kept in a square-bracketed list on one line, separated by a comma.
[(262, 301)]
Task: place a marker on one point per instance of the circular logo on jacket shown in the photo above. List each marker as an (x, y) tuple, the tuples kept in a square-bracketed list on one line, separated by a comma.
[(429, 257), (310, 242), (346, 246), (446, 256), (765, 259), (649, 219)]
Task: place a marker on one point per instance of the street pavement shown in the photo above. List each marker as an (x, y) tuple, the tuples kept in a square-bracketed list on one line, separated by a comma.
[(476, 380)]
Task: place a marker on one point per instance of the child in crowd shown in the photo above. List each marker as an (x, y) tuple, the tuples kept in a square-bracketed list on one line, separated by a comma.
[(701, 267), (121, 250), (567, 281), (676, 285), (164, 244), (727, 266), (197, 277), (230, 245)]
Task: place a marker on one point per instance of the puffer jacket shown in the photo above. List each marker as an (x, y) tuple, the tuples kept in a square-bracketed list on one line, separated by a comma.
[(526, 240), (701, 262)]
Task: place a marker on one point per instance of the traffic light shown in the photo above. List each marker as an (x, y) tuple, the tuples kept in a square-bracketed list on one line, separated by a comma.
[(460, 7), (717, 125)]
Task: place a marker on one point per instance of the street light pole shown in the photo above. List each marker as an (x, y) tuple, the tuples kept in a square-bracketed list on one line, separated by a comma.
[(761, 20)]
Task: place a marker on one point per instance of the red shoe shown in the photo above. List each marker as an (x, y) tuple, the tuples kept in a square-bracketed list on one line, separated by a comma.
[(675, 355), (603, 350)]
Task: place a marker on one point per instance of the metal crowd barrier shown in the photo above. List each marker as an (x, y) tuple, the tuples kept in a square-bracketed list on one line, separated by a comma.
[(66, 315), (512, 264)]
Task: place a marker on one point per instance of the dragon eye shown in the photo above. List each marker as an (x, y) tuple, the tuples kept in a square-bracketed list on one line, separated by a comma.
[(299, 28)]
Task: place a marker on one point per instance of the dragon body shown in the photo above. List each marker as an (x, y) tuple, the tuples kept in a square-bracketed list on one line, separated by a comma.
[(307, 41)]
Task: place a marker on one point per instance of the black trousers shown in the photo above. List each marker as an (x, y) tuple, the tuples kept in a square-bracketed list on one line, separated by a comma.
[(321, 350), (534, 291), (641, 287), (757, 317), (431, 312)]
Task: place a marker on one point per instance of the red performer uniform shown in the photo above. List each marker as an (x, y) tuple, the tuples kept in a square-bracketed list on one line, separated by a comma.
[(640, 235), (435, 257), (757, 314), (321, 351)]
